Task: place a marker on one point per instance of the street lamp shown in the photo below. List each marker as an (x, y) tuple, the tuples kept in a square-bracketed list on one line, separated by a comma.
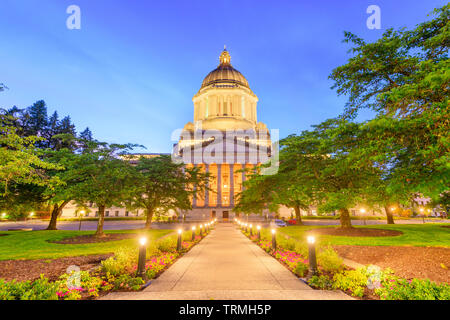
[(179, 240), (141, 261), (193, 233), (259, 232), (251, 230), (274, 240), (363, 211), (201, 230), (312, 254)]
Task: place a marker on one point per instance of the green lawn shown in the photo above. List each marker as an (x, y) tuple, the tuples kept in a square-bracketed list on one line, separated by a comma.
[(432, 234), (35, 245)]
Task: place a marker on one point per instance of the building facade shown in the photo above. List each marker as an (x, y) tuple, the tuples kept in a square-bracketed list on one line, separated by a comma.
[(225, 139)]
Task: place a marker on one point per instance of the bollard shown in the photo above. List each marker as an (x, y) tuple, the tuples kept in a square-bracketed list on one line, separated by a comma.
[(179, 240), (274, 240), (251, 230), (193, 233), (312, 255), (201, 230), (141, 260), (259, 232)]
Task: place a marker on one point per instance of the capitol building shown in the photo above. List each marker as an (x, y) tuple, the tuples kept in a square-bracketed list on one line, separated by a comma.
[(224, 139)]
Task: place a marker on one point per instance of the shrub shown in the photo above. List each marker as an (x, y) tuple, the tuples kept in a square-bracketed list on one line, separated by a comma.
[(329, 260), (168, 244), (286, 243), (353, 280), (40, 289), (301, 248), (301, 269), (321, 282), (122, 262), (415, 289)]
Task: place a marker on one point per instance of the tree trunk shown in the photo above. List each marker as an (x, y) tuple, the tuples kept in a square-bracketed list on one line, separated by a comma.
[(346, 222), (389, 216), (148, 221), (56, 212), (101, 220), (298, 215)]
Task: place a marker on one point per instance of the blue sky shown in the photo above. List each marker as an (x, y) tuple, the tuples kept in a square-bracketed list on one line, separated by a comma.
[(131, 71)]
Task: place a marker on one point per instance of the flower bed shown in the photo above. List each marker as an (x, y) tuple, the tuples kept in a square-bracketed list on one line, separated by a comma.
[(117, 273), (364, 283)]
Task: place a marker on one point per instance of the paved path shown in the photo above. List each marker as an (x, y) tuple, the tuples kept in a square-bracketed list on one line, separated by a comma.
[(226, 265)]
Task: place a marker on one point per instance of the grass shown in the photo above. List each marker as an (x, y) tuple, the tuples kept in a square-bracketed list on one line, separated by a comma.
[(420, 235), (35, 245)]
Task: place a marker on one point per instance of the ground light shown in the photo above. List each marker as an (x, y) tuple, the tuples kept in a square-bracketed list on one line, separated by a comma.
[(259, 232), (251, 230), (312, 254), (141, 261), (193, 233), (201, 230), (274, 239), (179, 239), (3, 214)]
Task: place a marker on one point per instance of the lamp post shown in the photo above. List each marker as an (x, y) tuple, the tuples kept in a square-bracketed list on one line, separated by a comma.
[(312, 254), (251, 230), (81, 215), (423, 215), (141, 261), (193, 233), (363, 211), (179, 240), (201, 230), (259, 232), (274, 240)]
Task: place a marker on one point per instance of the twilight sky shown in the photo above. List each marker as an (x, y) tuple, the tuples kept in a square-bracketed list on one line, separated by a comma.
[(131, 71)]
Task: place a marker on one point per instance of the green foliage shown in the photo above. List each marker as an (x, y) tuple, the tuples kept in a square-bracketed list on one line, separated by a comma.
[(415, 289), (40, 289), (301, 247), (286, 243), (320, 282), (122, 262), (353, 280), (329, 260), (301, 269), (159, 184), (167, 244)]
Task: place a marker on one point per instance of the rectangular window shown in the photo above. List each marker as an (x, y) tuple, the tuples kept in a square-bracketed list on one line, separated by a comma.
[(107, 214), (126, 213), (117, 213), (96, 213)]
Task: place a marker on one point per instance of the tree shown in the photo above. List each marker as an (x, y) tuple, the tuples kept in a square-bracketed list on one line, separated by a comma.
[(404, 77), (329, 173), (160, 184), (20, 161), (102, 177)]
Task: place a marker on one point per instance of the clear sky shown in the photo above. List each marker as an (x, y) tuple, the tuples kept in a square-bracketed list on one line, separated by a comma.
[(131, 70)]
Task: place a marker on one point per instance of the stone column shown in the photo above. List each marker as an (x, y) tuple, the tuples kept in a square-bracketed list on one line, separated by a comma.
[(219, 185), (231, 185), (207, 192)]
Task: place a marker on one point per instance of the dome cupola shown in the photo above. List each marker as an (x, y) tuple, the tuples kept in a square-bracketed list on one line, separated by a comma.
[(225, 75)]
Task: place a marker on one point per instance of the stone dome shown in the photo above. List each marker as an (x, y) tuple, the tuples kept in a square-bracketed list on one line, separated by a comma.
[(225, 74)]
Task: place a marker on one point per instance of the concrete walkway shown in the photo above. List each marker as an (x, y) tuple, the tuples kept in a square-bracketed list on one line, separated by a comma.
[(227, 266)]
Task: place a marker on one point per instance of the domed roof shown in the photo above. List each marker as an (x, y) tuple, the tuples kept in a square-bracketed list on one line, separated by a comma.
[(225, 73)]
